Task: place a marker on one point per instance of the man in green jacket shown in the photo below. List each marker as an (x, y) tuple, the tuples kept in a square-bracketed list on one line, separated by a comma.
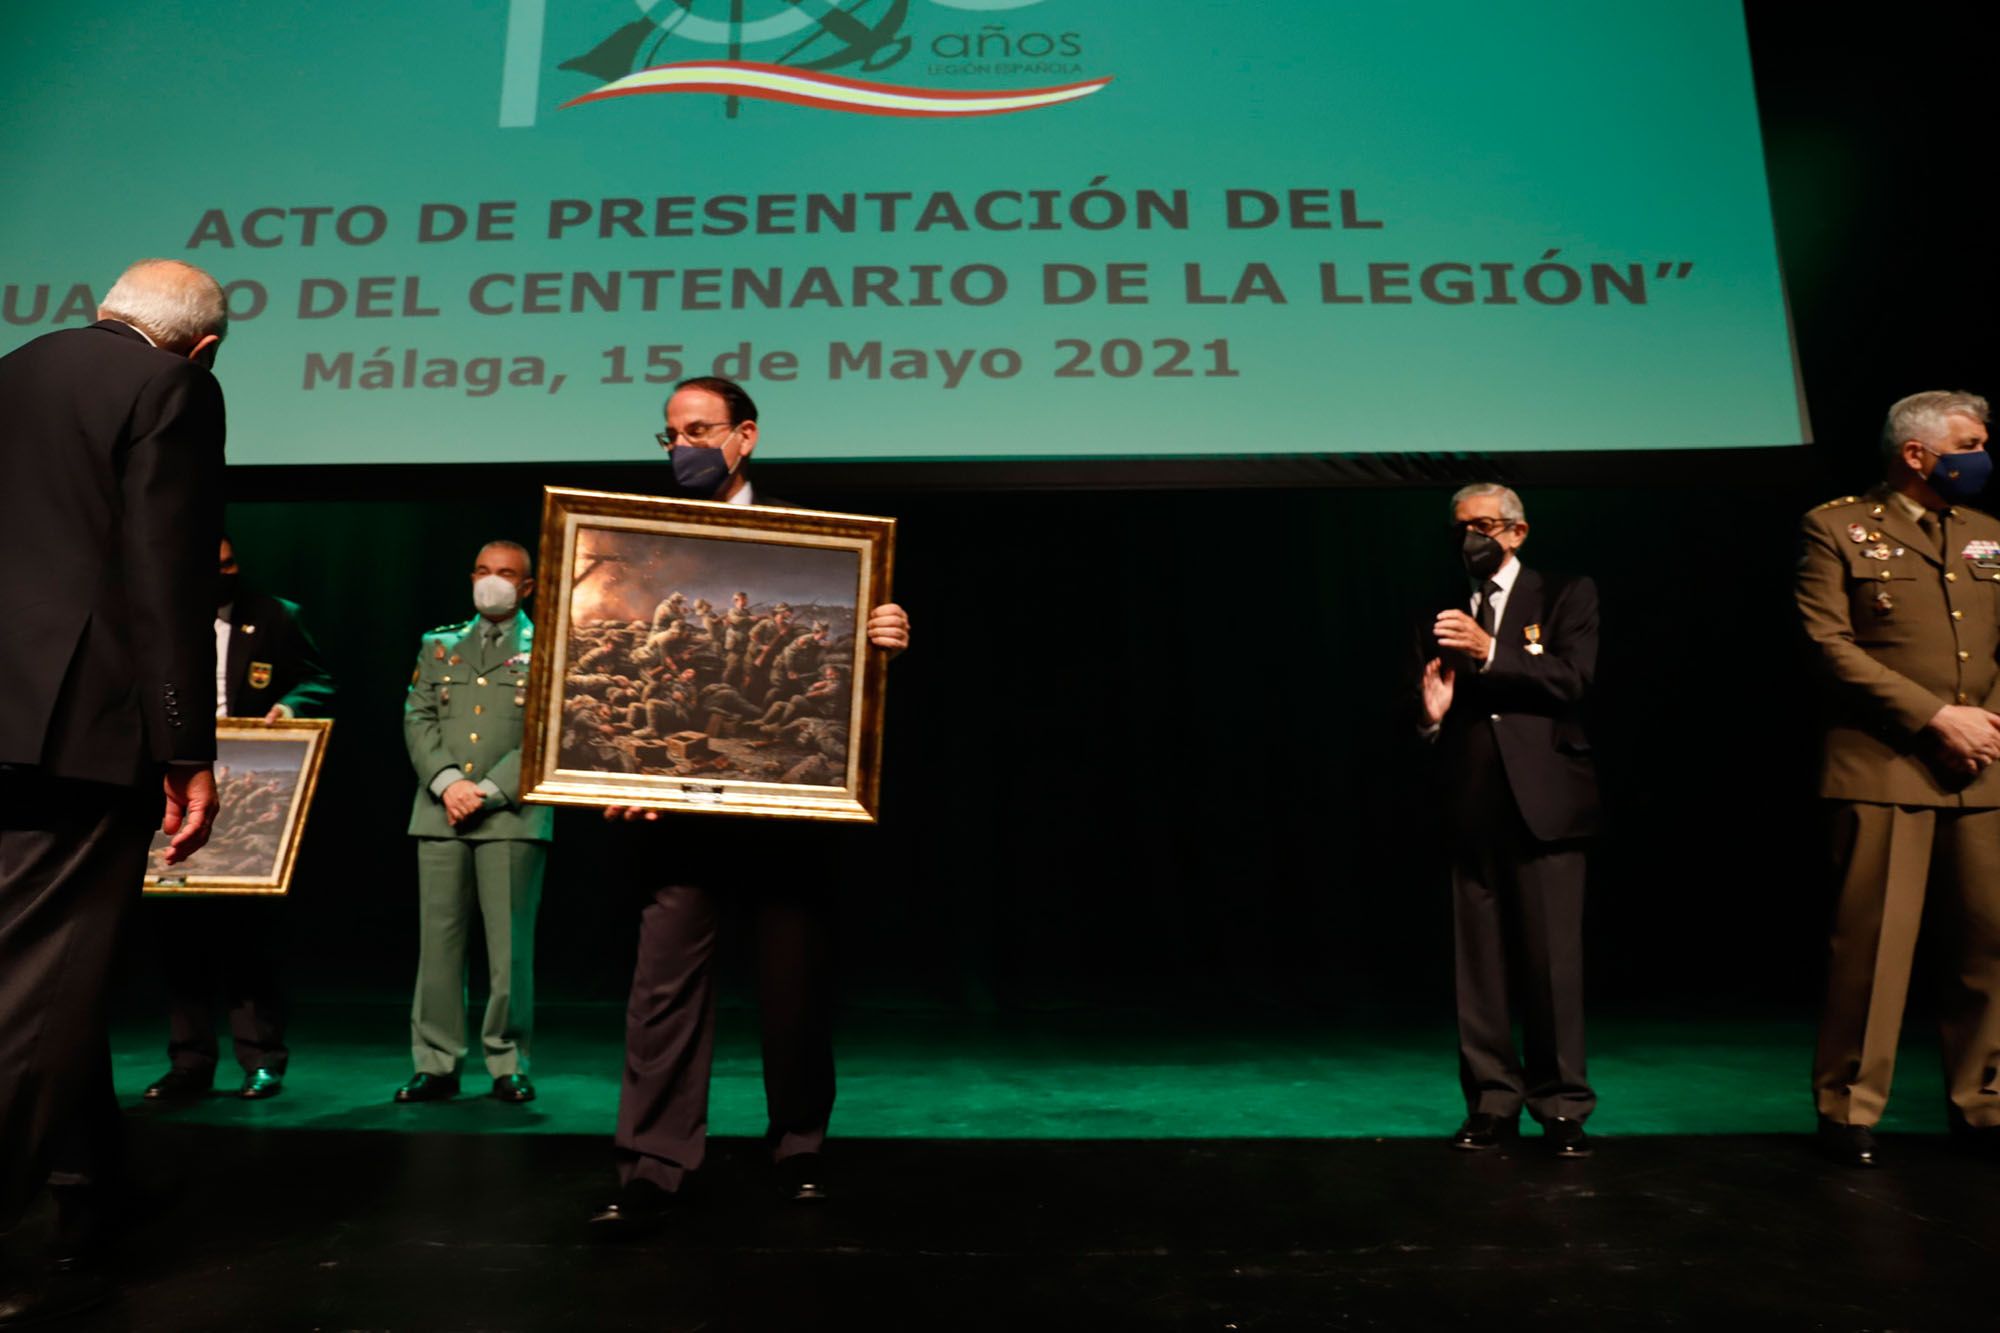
[(476, 843)]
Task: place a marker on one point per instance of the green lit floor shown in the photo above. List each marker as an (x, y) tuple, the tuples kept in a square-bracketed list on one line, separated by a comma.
[(1059, 1076)]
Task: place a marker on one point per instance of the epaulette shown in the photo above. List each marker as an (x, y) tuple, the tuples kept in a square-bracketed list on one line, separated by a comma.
[(455, 627), (1835, 504)]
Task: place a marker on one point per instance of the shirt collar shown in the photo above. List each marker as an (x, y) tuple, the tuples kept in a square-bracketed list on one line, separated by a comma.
[(744, 495), (1504, 577), (1908, 507)]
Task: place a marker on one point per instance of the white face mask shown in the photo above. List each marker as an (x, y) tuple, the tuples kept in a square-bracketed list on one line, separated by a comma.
[(495, 597)]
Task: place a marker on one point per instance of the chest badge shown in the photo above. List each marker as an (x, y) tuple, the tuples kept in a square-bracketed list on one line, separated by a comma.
[(1884, 603), (1856, 533), (1534, 635), (1985, 554), (260, 675), (1879, 551)]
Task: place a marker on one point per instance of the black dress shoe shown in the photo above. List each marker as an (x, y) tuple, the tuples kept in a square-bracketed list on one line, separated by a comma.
[(429, 1088), (259, 1084), (801, 1178), (513, 1088), (1849, 1145), (1565, 1138), (1482, 1131), (179, 1085), (641, 1206), (1976, 1140)]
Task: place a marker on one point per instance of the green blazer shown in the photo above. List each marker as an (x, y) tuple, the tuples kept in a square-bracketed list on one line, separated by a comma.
[(464, 713)]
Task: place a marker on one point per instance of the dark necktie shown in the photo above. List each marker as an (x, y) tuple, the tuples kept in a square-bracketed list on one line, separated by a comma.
[(1487, 620)]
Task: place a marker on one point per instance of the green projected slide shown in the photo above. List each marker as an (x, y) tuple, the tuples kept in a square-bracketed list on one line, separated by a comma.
[(922, 229)]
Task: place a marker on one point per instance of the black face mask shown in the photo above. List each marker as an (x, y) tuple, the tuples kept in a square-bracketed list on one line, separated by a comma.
[(699, 472), (1483, 555), (225, 589)]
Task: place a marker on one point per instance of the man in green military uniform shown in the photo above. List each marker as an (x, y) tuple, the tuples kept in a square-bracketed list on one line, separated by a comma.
[(477, 845), (1898, 593)]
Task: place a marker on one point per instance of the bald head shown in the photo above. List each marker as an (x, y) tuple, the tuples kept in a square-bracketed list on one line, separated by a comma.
[(177, 305)]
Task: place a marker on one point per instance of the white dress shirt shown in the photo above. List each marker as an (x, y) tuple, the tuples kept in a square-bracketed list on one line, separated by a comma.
[(222, 659)]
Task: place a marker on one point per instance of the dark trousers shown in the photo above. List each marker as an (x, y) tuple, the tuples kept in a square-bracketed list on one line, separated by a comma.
[(670, 1024), (1517, 919), (72, 861), (210, 948)]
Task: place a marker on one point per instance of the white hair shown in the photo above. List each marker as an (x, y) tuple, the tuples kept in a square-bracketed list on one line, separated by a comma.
[(1921, 416), (174, 304), (1511, 508)]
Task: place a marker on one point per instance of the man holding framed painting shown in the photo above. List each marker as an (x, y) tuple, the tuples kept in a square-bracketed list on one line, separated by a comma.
[(599, 744)]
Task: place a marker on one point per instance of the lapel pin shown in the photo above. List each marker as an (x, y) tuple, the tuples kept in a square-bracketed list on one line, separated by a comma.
[(1534, 633)]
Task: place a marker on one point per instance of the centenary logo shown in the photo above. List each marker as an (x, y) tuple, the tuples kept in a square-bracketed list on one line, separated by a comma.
[(810, 53)]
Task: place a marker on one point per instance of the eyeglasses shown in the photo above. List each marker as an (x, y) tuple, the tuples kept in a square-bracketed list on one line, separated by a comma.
[(696, 434), (1490, 527)]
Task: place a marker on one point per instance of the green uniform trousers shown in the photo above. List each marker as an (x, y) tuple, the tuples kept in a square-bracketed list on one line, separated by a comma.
[(502, 879), (1887, 856)]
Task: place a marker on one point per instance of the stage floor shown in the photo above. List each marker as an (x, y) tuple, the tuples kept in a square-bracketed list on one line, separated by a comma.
[(1070, 1170), (1058, 1075), (340, 1229)]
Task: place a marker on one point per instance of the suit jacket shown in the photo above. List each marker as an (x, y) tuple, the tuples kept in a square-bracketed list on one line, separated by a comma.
[(465, 710), (1534, 703), (110, 515), (272, 660), (1899, 631)]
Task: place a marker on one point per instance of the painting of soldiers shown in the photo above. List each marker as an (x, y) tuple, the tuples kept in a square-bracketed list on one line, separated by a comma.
[(266, 772), (657, 681)]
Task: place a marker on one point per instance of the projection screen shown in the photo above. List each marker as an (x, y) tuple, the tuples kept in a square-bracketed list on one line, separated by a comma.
[(923, 229)]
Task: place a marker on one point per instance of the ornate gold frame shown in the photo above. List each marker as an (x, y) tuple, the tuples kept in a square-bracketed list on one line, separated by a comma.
[(564, 512), (311, 735)]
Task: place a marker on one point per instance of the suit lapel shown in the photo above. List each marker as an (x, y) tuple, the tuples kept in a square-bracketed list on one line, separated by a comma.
[(1523, 607), (466, 649), (1901, 531)]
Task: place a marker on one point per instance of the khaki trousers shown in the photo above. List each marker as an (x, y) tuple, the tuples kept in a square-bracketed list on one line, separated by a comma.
[(1887, 857), (500, 878)]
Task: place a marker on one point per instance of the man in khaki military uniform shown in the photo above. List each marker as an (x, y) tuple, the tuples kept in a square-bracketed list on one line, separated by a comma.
[(1900, 594), (477, 845)]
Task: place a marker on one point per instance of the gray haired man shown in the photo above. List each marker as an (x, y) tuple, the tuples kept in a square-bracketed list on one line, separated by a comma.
[(1507, 668), (1896, 590)]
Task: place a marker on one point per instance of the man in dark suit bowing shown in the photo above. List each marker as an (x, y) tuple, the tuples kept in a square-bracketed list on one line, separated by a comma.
[(1502, 694), (110, 509), (269, 668)]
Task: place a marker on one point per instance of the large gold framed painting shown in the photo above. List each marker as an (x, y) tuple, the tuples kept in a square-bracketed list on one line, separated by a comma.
[(265, 777), (704, 656)]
